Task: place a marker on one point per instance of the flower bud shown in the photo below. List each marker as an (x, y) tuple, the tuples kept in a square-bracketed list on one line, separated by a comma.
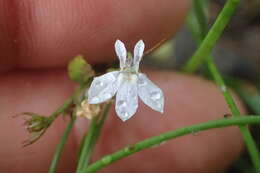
[(36, 125), (79, 70)]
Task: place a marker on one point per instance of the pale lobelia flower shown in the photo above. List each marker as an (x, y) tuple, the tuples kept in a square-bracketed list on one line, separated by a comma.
[(127, 84)]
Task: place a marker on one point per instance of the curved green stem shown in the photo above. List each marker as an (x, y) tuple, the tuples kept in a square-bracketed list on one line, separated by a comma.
[(61, 145), (156, 140), (69, 102), (87, 145), (201, 17), (91, 138), (251, 146), (61, 110), (213, 35)]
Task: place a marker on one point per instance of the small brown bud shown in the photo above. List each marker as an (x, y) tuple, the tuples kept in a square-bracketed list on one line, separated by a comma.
[(88, 110)]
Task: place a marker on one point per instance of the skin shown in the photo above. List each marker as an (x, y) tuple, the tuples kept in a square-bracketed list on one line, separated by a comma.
[(38, 38)]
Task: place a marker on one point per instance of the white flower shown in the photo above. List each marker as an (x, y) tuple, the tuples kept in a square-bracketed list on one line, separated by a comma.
[(127, 84)]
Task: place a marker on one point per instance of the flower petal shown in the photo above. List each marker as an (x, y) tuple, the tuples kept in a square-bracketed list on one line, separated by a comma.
[(121, 52), (126, 100), (103, 88), (138, 52), (149, 93)]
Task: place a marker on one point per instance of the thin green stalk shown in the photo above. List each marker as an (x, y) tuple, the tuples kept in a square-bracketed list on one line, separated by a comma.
[(61, 110), (97, 133), (87, 144), (66, 105), (201, 17), (60, 147), (195, 25), (91, 138), (213, 35), (157, 140), (252, 148)]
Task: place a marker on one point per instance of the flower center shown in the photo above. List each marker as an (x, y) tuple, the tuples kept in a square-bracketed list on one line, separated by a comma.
[(130, 77)]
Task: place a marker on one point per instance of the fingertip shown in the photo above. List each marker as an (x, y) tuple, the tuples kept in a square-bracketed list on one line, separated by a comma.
[(53, 32)]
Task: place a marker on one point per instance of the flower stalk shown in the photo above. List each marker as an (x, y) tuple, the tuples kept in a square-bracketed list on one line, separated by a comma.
[(91, 137), (60, 146)]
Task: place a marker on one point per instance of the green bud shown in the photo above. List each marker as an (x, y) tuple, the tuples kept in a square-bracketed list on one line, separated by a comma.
[(36, 125), (79, 70)]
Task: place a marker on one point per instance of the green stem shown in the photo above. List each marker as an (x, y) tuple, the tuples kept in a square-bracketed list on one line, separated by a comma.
[(213, 35), (69, 102), (201, 17), (157, 140), (63, 108), (61, 145), (87, 145), (252, 148), (91, 138)]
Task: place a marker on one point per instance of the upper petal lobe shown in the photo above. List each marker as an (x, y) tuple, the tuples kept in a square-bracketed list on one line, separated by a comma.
[(121, 52)]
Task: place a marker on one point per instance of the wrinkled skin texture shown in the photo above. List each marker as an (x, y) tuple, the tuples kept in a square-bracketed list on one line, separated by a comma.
[(38, 38)]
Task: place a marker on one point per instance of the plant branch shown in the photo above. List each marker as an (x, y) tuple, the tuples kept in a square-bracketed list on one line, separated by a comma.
[(68, 103), (213, 35), (252, 148), (91, 138), (156, 140), (61, 110), (60, 147), (201, 17)]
